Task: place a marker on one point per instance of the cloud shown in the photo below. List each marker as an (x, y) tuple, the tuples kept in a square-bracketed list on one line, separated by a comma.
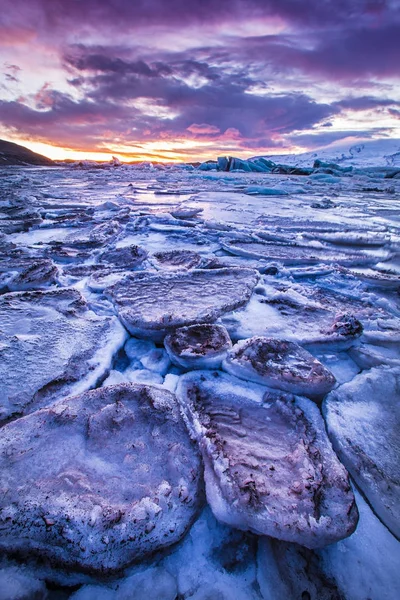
[(245, 73)]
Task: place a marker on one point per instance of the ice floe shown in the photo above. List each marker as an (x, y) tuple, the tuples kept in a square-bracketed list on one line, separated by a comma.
[(269, 466), (150, 305), (363, 422), (52, 345), (124, 479), (201, 346), (279, 364)]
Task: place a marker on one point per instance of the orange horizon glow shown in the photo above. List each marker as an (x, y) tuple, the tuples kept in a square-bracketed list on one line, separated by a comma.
[(162, 151)]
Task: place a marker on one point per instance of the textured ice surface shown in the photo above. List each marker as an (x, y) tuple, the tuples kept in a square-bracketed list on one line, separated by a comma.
[(269, 466), (51, 345), (152, 305), (363, 422), (27, 274), (348, 569), (123, 480), (279, 364), (198, 346), (176, 260), (114, 217), (313, 313), (289, 255)]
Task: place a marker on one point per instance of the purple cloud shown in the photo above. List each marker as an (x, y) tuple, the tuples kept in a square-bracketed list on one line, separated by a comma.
[(138, 83)]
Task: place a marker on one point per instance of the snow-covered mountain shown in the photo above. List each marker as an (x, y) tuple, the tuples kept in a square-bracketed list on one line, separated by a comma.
[(374, 153)]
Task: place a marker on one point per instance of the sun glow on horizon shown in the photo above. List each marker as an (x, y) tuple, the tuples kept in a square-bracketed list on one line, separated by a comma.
[(183, 150)]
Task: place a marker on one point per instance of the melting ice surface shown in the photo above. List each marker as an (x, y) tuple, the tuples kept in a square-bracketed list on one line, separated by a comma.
[(90, 256)]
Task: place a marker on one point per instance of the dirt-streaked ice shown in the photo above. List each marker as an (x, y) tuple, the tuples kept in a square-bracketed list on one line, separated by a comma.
[(269, 465)]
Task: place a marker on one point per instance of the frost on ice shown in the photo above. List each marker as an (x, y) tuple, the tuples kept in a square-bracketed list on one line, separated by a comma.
[(201, 346), (123, 481), (269, 466), (200, 259), (52, 345), (279, 364), (363, 421), (150, 305)]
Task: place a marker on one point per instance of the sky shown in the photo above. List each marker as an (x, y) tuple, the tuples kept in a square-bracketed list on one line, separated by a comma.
[(194, 79)]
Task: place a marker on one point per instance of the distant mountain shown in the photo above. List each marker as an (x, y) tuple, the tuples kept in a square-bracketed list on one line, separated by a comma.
[(372, 153), (14, 154)]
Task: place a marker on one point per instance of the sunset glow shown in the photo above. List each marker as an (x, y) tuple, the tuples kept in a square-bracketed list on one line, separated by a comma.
[(191, 80)]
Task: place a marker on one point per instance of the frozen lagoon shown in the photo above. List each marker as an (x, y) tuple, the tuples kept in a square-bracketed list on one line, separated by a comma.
[(322, 272)]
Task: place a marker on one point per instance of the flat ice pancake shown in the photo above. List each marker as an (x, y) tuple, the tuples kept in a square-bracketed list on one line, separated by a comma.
[(176, 260), (128, 257), (279, 364), (98, 480), (51, 345), (294, 255), (311, 314), (27, 273), (198, 346), (152, 305), (363, 422), (269, 465)]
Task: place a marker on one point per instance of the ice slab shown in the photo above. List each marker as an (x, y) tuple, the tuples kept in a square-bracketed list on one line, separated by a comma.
[(177, 260), (198, 346), (363, 422), (99, 480), (269, 465), (51, 345), (279, 364), (152, 305), (294, 254)]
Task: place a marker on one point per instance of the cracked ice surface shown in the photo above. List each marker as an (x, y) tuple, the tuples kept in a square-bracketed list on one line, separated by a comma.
[(52, 345), (325, 251)]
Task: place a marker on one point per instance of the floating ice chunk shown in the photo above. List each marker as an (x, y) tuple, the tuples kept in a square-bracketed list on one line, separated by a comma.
[(123, 480), (127, 257), (18, 583), (363, 422), (198, 346), (99, 235), (29, 274), (156, 360), (135, 348), (295, 255), (176, 260), (114, 378), (279, 364), (368, 355), (186, 212), (51, 346), (259, 190), (351, 238), (151, 305), (137, 375), (269, 466)]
